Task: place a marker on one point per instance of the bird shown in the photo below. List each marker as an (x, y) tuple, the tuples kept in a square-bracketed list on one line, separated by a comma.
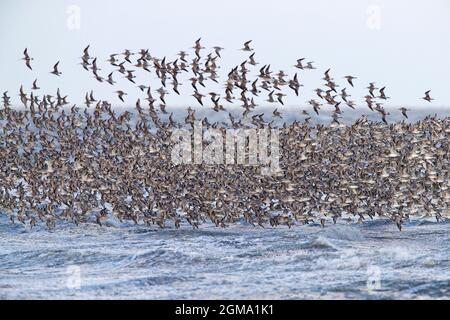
[(382, 94), (276, 113), (299, 64), (162, 94), (372, 88), (309, 65), (81, 164), (279, 97), (127, 55), (427, 96), (110, 79), (35, 87), (55, 70), (198, 96), (86, 55), (247, 46), (404, 110), (27, 59), (130, 76), (198, 47), (252, 60), (217, 50), (120, 94), (350, 80)]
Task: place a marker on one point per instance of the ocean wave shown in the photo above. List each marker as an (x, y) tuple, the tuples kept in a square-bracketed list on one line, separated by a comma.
[(343, 232), (320, 243)]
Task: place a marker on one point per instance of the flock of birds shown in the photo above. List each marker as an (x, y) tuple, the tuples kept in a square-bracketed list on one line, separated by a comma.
[(206, 69), (64, 162)]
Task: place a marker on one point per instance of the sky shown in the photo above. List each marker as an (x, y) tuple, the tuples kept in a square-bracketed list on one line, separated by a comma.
[(400, 44)]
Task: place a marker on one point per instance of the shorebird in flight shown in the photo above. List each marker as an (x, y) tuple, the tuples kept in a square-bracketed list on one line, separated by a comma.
[(127, 54), (110, 79), (35, 87), (27, 59), (404, 110), (217, 51), (279, 97), (427, 96), (350, 79), (247, 46), (382, 94), (198, 47), (372, 88), (327, 76), (55, 70), (276, 113), (309, 65), (198, 96), (120, 94), (86, 53), (252, 59), (299, 64)]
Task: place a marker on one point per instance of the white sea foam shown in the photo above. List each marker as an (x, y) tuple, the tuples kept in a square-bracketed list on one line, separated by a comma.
[(239, 262)]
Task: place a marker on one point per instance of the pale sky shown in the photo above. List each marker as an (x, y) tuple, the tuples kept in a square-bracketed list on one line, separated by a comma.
[(402, 44)]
